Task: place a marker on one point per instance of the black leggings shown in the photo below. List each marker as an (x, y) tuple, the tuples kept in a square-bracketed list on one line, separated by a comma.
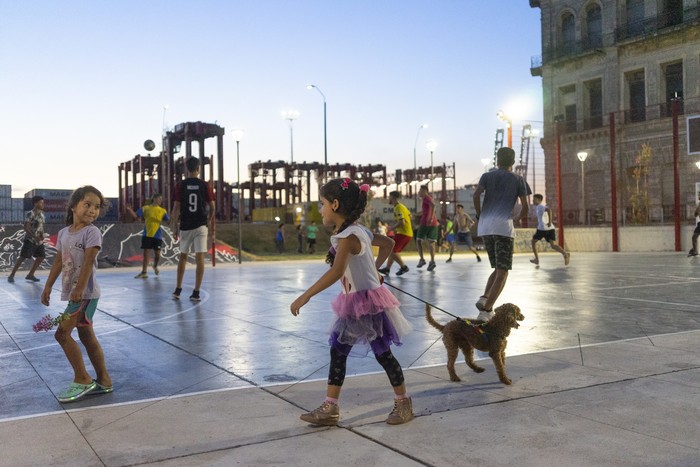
[(336, 373)]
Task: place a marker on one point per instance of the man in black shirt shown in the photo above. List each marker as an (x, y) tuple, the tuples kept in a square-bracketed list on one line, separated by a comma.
[(191, 199)]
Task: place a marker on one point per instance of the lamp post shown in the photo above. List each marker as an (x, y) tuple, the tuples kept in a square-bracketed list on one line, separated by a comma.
[(431, 145), (509, 126), (582, 155), (238, 135), (325, 138), (290, 116), (165, 109), (415, 166)]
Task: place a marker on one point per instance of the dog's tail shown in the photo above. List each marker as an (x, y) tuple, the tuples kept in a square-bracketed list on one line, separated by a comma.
[(431, 321)]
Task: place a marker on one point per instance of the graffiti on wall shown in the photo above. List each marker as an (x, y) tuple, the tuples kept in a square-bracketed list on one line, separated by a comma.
[(121, 246)]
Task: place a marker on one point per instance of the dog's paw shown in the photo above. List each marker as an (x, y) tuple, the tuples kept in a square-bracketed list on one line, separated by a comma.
[(506, 381), (455, 379), (478, 369)]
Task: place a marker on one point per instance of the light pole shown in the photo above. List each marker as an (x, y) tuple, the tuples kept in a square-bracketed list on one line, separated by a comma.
[(291, 115), (509, 126), (582, 155), (238, 135), (165, 109), (415, 166), (533, 134), (325, 138), (431, 145)]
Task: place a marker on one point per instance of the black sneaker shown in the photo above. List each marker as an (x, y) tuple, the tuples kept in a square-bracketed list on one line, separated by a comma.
[(195, 296), (421, 263), (32, 278), (692, 252), (384, 271), (431, 265), (402, 271), (176, 294), (478, 258)]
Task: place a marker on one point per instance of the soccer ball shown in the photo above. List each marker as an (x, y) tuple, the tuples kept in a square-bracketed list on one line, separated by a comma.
[(149, 145)]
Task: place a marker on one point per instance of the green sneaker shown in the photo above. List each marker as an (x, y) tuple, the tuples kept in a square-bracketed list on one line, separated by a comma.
[(76, 391)]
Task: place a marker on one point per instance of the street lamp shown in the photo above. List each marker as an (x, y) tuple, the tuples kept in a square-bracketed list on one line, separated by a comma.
[(582, 157), (325, 138), (290, 116), (165, 109), (509, 126), (431, 145), (238, 135), (415, 166)]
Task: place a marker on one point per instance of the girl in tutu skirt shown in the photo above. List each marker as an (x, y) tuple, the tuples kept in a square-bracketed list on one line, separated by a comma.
[(366, 312)]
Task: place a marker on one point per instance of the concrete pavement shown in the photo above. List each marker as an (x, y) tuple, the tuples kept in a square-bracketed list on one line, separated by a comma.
[(223, 382)]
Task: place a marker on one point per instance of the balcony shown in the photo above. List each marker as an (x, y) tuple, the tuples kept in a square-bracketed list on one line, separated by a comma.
[(655, 24)]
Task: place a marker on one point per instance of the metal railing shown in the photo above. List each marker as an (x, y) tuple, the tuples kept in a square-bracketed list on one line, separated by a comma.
[(636, 30)]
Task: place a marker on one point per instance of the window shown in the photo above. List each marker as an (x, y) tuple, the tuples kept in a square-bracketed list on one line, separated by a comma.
[(568, 33), (594, 104), (567, 98), (594, 27), (635, 17), (672, 13), (673, 80), (636, 95)]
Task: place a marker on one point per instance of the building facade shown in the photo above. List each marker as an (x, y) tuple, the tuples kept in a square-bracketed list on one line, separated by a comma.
[(613, 71)]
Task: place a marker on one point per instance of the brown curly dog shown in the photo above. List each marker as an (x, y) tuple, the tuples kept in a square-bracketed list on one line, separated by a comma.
[(487, 336)]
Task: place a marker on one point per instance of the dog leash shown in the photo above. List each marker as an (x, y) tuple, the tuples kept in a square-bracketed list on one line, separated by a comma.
[(420, 299), (474, 325)]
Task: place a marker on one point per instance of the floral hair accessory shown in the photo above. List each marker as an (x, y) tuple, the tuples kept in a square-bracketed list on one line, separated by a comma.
[(364, 187), (345, 183)]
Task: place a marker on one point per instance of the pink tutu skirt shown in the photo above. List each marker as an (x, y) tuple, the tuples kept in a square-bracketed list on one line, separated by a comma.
[(367, 319)]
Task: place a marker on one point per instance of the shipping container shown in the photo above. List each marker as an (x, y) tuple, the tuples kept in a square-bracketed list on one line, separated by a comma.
[(5, 191), (49, 193), (18, 204), (5, 204), (18, 217), (55, 217), (5, 216)]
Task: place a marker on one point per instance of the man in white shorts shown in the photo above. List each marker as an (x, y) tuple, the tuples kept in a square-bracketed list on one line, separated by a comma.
[(193, 212)]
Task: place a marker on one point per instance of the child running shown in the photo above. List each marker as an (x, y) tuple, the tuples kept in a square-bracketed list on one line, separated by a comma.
[(76, 259), (366, 311)]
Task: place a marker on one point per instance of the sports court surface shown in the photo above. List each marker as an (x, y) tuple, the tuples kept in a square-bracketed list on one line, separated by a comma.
[(242, 335)]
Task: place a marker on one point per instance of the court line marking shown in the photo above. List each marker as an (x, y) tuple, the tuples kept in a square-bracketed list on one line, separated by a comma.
[(262, 386), (126, 327), (14, 298), (657, 284)]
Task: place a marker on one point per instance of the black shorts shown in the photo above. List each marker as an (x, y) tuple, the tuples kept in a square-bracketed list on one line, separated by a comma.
[(549, 235), (310, 241), (32, 250), (151, 243), (697, 229)]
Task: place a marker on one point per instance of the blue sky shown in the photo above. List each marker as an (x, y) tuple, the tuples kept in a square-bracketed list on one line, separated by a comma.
[(83, 83)]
